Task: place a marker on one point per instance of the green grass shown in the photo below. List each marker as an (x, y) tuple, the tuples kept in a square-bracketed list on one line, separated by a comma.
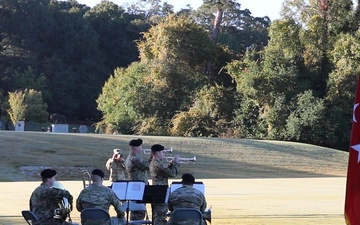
[(216, 157), (25, 154)]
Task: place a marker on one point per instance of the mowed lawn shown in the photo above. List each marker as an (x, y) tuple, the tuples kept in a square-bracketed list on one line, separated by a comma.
[(246, 181)]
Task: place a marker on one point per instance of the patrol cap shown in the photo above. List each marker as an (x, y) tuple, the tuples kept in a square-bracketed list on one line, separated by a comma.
[(157, 148), (136, 142), (117, 151), (98, 172), (188, 178), (48, 173)]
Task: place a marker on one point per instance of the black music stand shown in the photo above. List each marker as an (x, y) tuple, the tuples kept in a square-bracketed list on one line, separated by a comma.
[(155, 194)]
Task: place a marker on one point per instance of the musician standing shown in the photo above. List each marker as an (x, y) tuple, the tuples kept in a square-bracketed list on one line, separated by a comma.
[(187, 197), (45, 199), (99, 196), (137, 169), (116, 166), (160, 174)]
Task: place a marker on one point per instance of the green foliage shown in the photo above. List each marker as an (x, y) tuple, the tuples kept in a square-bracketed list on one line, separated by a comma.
[(27, 104), (247, 121), (35, 106), (17, 106), (119, 98), (239, 29), (306, 121), (209, 116)]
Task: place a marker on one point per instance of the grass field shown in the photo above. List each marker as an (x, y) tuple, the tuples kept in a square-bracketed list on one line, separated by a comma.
[(240, 174)]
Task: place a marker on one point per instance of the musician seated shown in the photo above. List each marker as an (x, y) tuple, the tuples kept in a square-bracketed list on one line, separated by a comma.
[(187, 197), (45, 199), (99, 196)]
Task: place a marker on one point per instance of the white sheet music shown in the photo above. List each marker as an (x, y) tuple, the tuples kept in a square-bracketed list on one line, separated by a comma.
[(198, 185), (131, 190)]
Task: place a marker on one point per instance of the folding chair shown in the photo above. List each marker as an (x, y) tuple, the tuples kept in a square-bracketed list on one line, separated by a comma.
[(134, 206), (94, 215), (29, 216), (181, 214)]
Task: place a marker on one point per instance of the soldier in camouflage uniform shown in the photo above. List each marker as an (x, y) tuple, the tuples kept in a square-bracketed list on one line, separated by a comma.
[(116, 166), (137, 169), (187, 197), (99, 196), (159, 175), (44, 200)]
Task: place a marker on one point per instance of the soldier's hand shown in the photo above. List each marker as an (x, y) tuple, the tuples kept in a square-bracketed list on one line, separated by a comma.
[(176, 159)]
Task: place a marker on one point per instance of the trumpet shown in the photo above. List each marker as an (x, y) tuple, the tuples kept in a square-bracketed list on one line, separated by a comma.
[(86, 178), (148, 151), (182, 160)]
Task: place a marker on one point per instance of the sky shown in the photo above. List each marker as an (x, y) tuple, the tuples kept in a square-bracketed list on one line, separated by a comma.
[(258, 8)]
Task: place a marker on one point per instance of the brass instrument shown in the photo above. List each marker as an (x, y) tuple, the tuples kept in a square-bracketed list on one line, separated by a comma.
[(64, 206), (148, 151), (207, 215), (182, 160), (86, 178)]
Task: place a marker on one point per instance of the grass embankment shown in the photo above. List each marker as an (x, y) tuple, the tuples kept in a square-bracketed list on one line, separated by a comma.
[(25, 154)]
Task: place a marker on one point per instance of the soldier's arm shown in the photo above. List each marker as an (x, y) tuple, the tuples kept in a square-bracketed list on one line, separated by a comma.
[(203, 206), (170, 206), (171, 170), (117, 205), (108, 163), (140, 163), (78, 204)]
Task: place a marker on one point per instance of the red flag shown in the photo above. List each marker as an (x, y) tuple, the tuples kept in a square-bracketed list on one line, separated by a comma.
[(352, 198)]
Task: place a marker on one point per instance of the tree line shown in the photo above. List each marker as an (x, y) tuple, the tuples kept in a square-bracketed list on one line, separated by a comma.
[(216, 71)]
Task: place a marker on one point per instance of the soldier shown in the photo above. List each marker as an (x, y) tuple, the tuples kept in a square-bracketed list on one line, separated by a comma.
[(187, 197), (116, 166), (137, 169), (99, 196), (44, 200), (159, 175)]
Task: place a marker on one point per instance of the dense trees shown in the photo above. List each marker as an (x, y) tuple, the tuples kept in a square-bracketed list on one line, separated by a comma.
[(214, 71)]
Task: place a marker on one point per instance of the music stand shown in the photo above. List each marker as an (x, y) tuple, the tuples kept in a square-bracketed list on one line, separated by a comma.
[(155, 194)]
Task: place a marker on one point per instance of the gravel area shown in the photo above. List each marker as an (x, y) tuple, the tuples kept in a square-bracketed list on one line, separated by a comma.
[(63, 172)]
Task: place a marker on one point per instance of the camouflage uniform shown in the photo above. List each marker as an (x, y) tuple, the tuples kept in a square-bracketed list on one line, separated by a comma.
[(44, 200), (137, 169), (159, 174), (117, 169), (187, 197), (99, 196)]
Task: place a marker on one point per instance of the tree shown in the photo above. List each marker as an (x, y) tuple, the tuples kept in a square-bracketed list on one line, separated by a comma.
[(36, 109), (27, 104), (17, 106)]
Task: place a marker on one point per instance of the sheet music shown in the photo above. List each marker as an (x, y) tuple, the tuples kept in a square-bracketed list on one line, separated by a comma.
[(135, 191), (197, 185), (131, 190)]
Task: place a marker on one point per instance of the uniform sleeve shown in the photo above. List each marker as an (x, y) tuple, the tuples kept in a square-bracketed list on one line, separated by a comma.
[(140, 163), (203, 206), (108, 163), (117, 205), (79, 206), (170, 201), (170, 171)]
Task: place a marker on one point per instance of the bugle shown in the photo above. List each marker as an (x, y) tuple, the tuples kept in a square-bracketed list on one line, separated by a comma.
[(182, 160), (86, 178), (148, 151)]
